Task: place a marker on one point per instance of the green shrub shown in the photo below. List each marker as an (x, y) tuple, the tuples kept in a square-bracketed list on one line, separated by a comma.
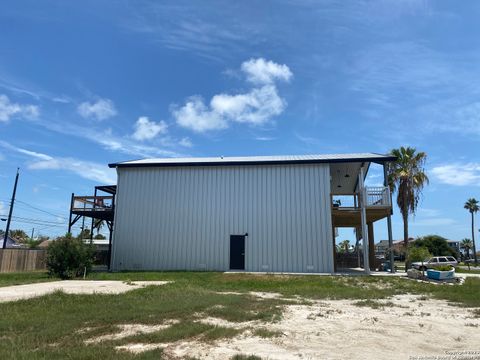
[(436, 245), (417, 254), (444, 268), (68, 257)]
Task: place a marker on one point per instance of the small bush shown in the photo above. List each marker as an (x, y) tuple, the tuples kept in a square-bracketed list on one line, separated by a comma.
[(444, 268), (417, 254), (69, 258)]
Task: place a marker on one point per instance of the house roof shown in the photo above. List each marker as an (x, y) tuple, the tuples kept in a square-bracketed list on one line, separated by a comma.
[(256, 160), (11, 242)]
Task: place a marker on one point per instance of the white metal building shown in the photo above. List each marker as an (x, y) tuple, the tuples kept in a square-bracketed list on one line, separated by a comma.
[(270, 214)]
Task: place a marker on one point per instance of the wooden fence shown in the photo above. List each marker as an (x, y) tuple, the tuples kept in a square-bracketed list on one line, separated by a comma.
[(13, 260)]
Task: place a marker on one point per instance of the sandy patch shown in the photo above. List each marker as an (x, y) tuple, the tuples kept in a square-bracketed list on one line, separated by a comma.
[(17, 292), (229, 324), (259, 294), (266, 295), (127, 330), (337, 329)]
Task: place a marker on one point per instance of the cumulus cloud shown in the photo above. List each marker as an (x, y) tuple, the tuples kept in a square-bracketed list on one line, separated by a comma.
[(255, 107), (145, 129), (102, 109), (261, 71), (9, 109), (458, 174)]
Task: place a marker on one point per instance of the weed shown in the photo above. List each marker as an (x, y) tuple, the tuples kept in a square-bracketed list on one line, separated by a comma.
[(265, 333), (245, 357)]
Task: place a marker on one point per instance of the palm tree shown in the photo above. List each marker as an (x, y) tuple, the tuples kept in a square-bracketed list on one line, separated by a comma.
[(466, 245), (472, 206), (99, 225), (345, 245), (407, 177)]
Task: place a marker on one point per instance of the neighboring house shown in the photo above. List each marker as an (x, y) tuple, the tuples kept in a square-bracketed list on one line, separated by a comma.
[(381, 247), (12, 243), (454, 244), (100, 244), (264, 213)]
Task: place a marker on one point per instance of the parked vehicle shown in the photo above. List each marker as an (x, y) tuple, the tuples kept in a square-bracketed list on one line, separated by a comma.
[(434, 262)]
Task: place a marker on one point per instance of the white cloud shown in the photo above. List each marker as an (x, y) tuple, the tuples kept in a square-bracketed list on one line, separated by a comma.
[(111, 142), (195, 115), (3, 210), (255, 107), (185, 142), (101, 109), (147, 130), (261, 71), (264, 138), (34, 154), (458, 174), (86, 169), (9, 109)]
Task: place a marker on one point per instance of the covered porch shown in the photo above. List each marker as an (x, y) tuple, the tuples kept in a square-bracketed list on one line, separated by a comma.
[(357, 206)]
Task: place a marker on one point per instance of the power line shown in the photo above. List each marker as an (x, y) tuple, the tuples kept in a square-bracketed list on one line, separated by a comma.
[(44, 211)]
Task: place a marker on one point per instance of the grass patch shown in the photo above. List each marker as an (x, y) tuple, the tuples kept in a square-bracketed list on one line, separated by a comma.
[(9, 279), (466, 271), (265, 333), (47, 327), (182, 331), (245, 357), (374, 304)]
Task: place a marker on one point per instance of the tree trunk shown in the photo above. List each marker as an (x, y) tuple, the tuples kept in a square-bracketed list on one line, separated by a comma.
[(473, 238), (405, 236), (405, 230)]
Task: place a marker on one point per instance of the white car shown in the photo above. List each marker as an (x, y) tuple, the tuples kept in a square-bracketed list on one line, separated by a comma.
[(435, 262)]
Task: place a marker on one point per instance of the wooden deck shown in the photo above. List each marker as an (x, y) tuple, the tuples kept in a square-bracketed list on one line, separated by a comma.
[(350, 217)]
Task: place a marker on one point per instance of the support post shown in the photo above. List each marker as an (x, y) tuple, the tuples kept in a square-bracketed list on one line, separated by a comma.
[(70, 217), (110, 235), (363, 216), (9, 220), (91, 226), (371, 246), (389, 219)]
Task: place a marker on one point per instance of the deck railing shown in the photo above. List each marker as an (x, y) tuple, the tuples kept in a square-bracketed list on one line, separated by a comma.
[(375, 197), (90, 203)]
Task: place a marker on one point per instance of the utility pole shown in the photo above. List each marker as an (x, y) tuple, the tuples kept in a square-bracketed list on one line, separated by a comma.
[(7, 229), (33, 229)]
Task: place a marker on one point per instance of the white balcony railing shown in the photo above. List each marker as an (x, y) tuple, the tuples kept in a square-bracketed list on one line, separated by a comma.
[(375, 197)]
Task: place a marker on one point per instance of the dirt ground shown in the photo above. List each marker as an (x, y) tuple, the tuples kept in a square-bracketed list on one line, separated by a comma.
[(404, 327), (400, 327), (17, 292)]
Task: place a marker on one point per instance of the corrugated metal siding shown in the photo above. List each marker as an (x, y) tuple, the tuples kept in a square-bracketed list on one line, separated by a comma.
[(182, 217)]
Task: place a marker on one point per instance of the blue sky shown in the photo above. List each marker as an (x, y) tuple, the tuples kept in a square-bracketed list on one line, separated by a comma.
[(86, 83)]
